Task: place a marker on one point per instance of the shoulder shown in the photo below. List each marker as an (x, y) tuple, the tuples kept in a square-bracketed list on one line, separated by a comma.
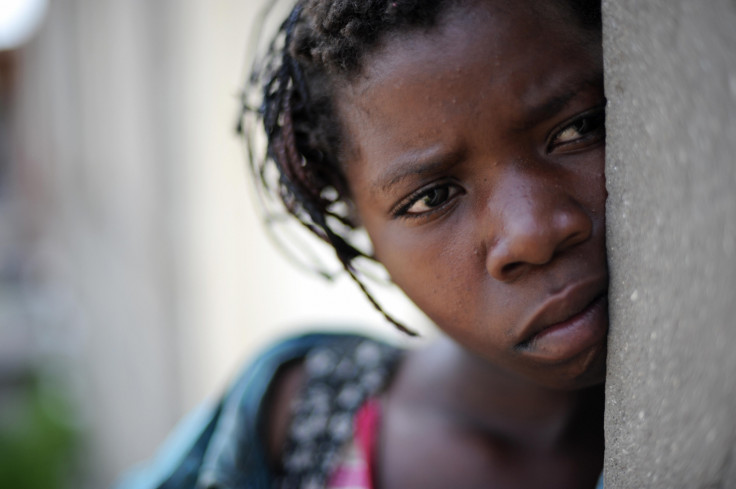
[(277, 407)]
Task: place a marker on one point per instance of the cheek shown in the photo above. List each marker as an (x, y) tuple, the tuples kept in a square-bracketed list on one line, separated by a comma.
[(438, 269), (589, 184), (423, 257), (600, 175)]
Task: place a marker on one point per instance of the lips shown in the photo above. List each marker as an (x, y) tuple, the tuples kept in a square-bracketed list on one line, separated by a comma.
[(567, 323)]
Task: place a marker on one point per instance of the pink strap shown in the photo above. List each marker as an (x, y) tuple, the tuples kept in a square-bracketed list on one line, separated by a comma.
[(355, 471), (367, 422)]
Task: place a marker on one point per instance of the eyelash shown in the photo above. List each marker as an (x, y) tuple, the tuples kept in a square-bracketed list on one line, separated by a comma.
[(590, 125), (453, 190)]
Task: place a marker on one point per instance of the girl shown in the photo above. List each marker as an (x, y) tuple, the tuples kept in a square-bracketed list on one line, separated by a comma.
[(467, 138)]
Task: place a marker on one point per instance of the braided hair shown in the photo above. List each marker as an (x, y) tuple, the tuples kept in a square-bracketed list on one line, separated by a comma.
[(321, 43)]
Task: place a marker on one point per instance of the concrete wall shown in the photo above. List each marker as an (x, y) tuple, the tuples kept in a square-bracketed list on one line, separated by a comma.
[(671, 395)]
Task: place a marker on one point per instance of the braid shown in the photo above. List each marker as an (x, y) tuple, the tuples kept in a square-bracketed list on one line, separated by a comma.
[(337, 34), (320, 43)]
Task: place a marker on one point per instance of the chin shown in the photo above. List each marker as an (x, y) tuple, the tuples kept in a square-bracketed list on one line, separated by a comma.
[(594, 374), (586, 370)]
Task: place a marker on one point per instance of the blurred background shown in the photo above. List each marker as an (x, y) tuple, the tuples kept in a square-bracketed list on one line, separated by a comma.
[(135, 276)]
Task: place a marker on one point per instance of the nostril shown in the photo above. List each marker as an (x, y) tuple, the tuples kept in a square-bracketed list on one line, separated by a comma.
[(511, 268), (575, 238)]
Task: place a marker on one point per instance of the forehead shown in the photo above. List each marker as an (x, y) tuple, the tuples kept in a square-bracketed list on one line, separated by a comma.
[(510, 56)]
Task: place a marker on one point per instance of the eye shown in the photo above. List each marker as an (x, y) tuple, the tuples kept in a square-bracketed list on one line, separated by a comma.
[(584, 129), (428, 200)]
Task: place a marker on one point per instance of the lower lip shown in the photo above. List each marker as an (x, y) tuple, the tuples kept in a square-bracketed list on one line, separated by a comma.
[(567, 339)]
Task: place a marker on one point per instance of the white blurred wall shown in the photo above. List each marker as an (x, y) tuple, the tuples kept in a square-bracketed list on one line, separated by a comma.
[(132, 177)]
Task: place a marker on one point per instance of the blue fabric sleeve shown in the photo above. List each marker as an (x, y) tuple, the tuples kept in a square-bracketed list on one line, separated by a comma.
[(219, 446)]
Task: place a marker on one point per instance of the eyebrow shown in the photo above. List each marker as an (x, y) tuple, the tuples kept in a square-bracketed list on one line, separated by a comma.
[(414, 163), (534, 114)]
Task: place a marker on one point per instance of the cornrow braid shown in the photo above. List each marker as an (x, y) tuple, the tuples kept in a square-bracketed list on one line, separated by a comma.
[(289, 92), (337, 34)]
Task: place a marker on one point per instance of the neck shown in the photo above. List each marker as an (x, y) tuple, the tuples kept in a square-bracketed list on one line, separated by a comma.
[(472, 392)]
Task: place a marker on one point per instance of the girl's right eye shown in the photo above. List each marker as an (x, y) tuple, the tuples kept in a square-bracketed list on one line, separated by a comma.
[(428, 200)]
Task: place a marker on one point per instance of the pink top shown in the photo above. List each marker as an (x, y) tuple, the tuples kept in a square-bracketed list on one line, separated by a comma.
[(355, 469)]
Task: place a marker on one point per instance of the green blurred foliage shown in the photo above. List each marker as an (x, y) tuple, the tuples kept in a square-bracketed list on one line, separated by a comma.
[(38, 440)]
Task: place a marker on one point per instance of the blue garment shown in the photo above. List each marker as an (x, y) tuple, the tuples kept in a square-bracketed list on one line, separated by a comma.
[(220, 446)]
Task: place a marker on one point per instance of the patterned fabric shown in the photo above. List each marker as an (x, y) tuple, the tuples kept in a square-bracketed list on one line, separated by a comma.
[(339, 380)]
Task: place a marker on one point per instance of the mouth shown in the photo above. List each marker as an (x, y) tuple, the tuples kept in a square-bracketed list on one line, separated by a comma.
[(567, 324)]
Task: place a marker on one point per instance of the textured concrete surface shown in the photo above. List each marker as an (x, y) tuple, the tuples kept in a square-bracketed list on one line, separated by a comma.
[(671, 392)]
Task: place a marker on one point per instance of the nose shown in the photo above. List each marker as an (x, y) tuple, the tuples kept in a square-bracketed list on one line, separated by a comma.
[(532, 221)]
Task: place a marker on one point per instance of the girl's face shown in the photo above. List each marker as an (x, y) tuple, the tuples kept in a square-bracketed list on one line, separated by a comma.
[(475, 159)]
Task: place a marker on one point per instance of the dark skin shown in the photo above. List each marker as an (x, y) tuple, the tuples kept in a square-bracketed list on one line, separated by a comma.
[(475, 157)]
